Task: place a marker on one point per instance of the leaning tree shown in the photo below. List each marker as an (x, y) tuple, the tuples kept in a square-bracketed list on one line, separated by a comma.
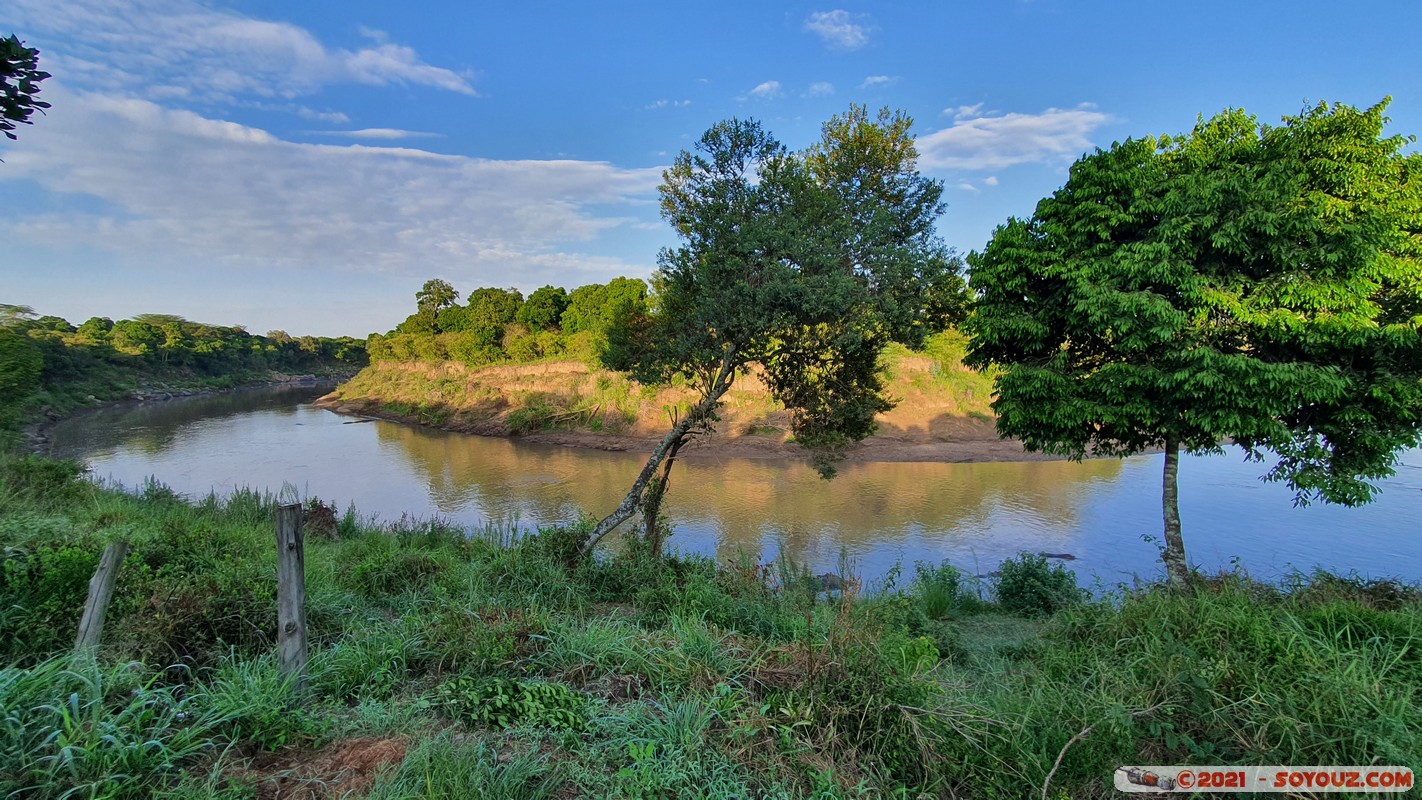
[(1259, 284), (804, 264)]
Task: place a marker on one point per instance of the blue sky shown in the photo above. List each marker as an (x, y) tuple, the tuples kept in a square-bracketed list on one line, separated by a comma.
[(307, 166)]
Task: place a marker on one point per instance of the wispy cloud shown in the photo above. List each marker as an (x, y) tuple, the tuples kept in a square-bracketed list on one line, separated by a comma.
[(977, 141), (182, 50), (191, 192), (765, 91), (334, 117), (820, 89), (878, 80), (667, 104), (964, 112), (388, 134), (838, 29)]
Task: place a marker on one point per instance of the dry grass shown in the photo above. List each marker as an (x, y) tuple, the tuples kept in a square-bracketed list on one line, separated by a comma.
[(934, 394)]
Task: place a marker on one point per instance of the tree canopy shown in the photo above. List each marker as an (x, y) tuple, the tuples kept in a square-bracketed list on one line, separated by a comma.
[(20, 77), (806, 264), (1243, 282)]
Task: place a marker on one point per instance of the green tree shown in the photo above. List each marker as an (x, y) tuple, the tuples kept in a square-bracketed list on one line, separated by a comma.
[(21, 365), (543, 309), (95, 330), (136, 337), (1244, 282), (434, 296), (489, 311), (805, 264), (20, 77)]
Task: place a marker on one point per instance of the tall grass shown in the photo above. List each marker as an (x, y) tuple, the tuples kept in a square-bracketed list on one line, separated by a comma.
[(76, 728), (683, 676)]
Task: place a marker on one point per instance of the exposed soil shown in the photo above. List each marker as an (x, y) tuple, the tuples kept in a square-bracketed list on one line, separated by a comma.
[(940, 439), (340, 769)]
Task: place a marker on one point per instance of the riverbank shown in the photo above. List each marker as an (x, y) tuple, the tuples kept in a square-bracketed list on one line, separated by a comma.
[(941, 414), (446, 662), (34, 435)]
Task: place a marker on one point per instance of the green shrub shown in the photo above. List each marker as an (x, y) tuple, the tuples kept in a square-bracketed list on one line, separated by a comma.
[(502, 702), (1031, 586), (42, 593), (384, 565), (937, 588)]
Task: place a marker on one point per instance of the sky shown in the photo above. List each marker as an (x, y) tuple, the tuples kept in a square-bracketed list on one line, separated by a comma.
[(308, 166)]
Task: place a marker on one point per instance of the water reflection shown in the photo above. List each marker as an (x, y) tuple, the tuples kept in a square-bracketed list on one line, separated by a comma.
[(971, 514)]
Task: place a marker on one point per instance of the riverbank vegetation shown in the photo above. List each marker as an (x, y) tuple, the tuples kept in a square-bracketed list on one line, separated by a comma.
[(937, 396), (481, 663), (52, 366)]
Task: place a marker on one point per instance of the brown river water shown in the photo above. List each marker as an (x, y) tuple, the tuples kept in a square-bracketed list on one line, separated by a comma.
[(1105, 512)]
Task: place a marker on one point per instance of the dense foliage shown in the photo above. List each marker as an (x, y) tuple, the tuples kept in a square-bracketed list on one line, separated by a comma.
[(47, 362), (499, 325), (1245, 282)]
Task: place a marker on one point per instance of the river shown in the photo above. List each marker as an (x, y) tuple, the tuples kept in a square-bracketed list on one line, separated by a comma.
[(1106, 512)]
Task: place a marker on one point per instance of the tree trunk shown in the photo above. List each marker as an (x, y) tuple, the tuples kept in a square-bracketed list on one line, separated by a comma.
[(1176, 569), (669, 445), (652, 507)]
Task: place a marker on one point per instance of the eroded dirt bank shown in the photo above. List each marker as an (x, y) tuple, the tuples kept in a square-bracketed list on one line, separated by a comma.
[(568, 404)]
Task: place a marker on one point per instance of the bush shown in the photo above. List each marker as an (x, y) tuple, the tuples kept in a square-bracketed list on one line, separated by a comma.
[(1030, 586), (41, 595), (936, 588), (501, 702)]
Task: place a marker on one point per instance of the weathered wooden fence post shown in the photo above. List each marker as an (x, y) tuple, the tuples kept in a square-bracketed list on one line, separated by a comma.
[(291, 594), (101, 590)]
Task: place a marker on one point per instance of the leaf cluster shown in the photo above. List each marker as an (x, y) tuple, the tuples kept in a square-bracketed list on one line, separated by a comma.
[(20, 76)]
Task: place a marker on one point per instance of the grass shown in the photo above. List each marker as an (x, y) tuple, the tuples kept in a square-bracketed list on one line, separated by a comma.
[(511, 674), (569, 395)]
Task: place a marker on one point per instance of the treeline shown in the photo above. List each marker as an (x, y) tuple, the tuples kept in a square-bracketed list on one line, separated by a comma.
[(48, 360), (500, 325)]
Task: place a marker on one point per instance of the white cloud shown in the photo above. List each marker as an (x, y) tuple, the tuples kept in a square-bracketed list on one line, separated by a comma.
[(187, 192), (387, 134), (990, 180), (667, 104), (335, 117), (820, 89), (878, 80), (991, 142), (766, 91), (838, 29), (179, 49), (964, 112), (967, 187)]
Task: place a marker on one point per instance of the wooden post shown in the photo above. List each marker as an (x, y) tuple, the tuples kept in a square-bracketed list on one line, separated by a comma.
[(101, 590), (291, 594)]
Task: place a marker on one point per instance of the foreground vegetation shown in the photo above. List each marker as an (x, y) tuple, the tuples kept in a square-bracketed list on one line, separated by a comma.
[(456, 663)]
